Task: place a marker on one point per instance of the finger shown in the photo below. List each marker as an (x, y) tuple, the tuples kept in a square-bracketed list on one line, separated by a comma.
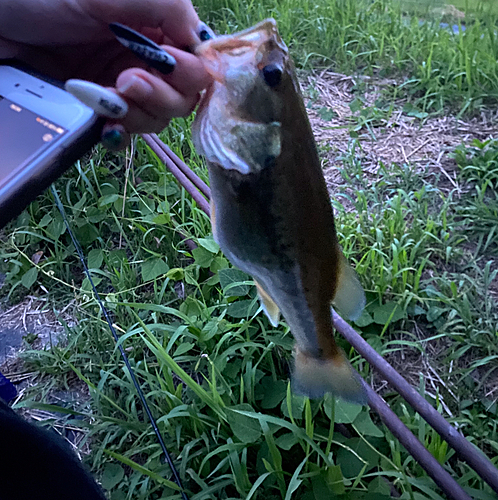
[(161, 58), (204, 32), (104, 101), (138, 121), (190, 75), (176, 18), (153, 95), (149, 106)]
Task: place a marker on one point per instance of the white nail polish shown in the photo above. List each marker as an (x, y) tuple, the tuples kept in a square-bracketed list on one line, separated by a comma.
[(101, 100)]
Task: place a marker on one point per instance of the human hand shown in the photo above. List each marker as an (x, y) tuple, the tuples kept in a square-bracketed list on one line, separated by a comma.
[(70, 39)]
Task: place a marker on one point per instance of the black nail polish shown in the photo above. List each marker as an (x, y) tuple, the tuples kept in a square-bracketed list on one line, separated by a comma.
[(156, 58), (144, 48)]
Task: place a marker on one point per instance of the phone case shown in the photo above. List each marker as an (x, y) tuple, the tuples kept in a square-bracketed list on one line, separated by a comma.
[(56, 164)]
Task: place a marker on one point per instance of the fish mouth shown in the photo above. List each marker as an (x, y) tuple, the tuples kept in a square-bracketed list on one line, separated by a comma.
[(252, 44)]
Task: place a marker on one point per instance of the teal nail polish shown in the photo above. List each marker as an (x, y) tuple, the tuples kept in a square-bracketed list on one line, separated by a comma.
[(205, 32), (204, 35), (113, 138)]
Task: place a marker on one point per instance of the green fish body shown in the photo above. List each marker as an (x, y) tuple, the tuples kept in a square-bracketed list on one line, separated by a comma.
[(271, 212)]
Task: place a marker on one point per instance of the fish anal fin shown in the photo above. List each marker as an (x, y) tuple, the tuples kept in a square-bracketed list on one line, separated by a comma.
[(349, 297), (315, 377), (269, 307), (212, 214)]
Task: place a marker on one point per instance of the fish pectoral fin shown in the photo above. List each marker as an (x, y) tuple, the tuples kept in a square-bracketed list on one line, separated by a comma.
[(315, 377), (349, 298), (267, 303)]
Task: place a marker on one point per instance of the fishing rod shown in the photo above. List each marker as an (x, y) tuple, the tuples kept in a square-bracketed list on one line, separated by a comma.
[(107, 317)]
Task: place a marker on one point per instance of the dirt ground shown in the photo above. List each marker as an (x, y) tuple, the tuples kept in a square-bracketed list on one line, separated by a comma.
[(424, 144), (400, 138), (31, 324)]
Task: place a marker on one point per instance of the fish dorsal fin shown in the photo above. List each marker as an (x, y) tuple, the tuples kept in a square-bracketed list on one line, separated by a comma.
[(267, 303), (349, 298)]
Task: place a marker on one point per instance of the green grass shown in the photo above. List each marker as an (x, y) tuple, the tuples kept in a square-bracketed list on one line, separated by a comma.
[(435, 68), (214, 370), (467, 6)]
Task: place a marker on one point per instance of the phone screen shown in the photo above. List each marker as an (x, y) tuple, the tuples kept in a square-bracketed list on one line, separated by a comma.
[(23, 135)]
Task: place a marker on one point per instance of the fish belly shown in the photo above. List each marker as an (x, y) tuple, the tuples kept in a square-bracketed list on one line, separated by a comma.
[(251, 237)]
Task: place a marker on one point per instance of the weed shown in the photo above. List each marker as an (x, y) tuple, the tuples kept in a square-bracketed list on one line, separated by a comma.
[(479, 162), (436, 68), (214, 370)]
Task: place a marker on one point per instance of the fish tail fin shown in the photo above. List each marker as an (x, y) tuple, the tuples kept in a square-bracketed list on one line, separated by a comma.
[(349, 298), (314, 377)]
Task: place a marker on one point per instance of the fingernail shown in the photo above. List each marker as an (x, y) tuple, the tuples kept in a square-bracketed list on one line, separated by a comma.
[(139, 85), (144, 48), (114, 137), (101, 100), (205, 32)]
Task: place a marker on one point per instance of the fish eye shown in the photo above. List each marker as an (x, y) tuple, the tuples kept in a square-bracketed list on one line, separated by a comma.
[(272, 73)]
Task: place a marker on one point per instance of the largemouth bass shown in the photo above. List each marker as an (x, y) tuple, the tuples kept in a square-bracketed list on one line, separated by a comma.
[(271, 212)]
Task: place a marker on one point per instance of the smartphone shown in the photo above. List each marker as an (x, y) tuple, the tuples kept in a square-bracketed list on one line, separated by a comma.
[(43, 131)]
